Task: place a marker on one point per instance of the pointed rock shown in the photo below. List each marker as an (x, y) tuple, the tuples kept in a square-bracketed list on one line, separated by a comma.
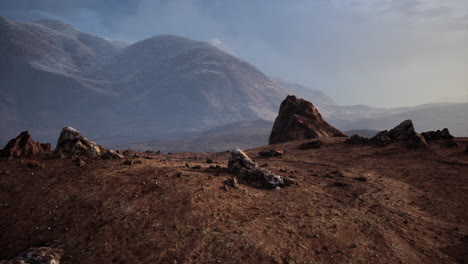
[(72, 143), (299, 119), (403, 132), (22, 145)]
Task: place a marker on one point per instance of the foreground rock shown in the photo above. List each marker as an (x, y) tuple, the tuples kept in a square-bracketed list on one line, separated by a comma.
[(72, 142), (37, 255), (247, 170), (404, 132), (22, 145), (299, 119)]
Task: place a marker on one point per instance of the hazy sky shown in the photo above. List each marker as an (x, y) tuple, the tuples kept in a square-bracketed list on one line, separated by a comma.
[(377, 52)]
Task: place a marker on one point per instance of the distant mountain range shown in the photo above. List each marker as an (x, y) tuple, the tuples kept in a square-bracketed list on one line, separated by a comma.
[(162, 88)]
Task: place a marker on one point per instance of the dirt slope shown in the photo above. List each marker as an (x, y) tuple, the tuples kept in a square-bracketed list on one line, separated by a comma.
[(412, 208)]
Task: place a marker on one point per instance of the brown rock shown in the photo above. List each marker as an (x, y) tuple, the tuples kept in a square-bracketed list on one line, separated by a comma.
[(403, 132), (299, 119), (22, 145), (315, 144), (247, 170), (382, 139)]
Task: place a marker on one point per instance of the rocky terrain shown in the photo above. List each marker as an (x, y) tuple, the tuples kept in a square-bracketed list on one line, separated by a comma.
[(352, 204), (398, 197)]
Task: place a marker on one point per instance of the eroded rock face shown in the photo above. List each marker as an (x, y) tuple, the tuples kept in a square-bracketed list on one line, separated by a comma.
[(246, 169), (37, 255), (72, 142), (437, 135), (299, 119), (22, 145), (404, 132)]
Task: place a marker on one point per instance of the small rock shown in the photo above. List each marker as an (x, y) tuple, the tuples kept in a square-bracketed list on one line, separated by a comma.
[(271, 153), (128, 162), (197, 167), (363, 179), (209, 161), (232, 182), (315, 144), (340, 184)]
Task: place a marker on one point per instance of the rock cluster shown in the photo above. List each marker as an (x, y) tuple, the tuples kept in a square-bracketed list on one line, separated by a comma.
[(437, 135), (23, 145), (299, 119), (404, 132), (72, 142), (246, 169), (37, 255)]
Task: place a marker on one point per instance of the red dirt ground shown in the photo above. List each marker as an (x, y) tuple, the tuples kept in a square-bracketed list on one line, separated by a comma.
[(413, 208)]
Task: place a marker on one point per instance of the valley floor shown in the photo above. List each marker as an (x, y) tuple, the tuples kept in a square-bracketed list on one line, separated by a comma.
[(353, 204)]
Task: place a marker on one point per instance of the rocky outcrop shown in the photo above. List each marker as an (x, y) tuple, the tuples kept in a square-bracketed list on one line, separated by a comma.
[(356, 139), (22, 145), (437, 135), (299, 119), (37, 255), (71, 142), (247, 170), (404, 132)]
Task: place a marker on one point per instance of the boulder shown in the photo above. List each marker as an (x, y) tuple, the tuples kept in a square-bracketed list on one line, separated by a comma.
[(299, 119), (247, 170), (72, 143), (437, 135), (22, 145), (37, 255), (403, 131)]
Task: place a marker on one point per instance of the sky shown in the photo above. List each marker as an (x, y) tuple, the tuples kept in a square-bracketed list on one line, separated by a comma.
[(378, 52)]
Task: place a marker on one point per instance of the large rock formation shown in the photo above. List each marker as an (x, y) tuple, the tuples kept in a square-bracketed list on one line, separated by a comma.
[(247, 170), (72, 142), (299, 119), (22, 145), (437, 135), (404, 132)]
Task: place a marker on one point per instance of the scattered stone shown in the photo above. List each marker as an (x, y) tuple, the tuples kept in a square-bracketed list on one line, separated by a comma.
[(361, 178), (110, 154), (35, 165), (22, 145), (136, 156), (197, 167), (271, 153), (80, 162), (437, 135), (232, 182), (299, 119), (148, 157), (356, 139), (209, 161), (340, 184), (315, 144), (335, 174), (246, 169), (128, 162)]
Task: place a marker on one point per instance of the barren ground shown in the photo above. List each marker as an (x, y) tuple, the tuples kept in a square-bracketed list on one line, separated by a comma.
[(413, 208)]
